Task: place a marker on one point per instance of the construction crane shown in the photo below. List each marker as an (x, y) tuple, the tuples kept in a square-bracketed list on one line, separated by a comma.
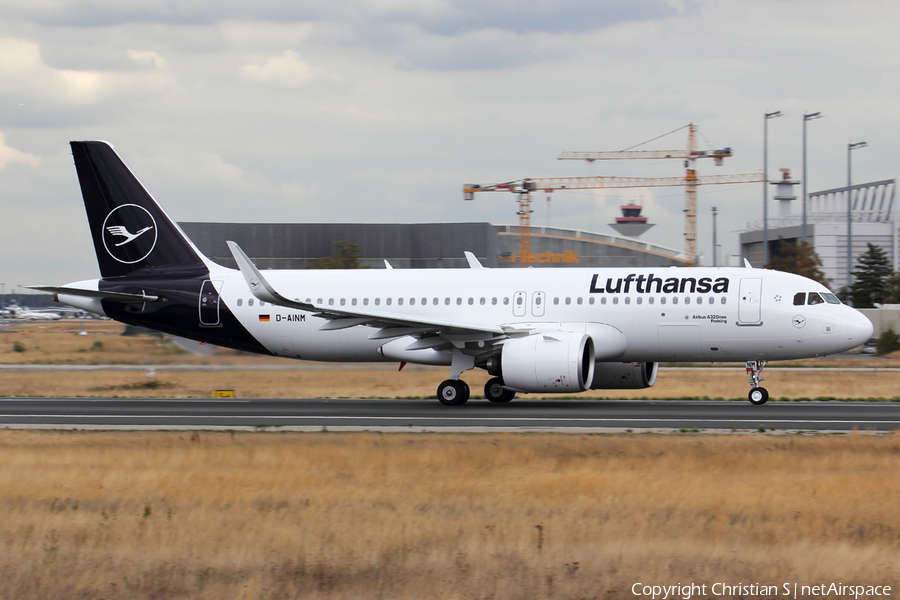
[(690, 181), (524, 187)]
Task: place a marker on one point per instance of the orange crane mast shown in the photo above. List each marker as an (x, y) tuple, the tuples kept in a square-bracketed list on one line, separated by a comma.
[(690, 181), (524, 187)]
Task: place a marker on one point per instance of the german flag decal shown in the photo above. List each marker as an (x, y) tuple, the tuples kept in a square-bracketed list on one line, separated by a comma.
[(264, 318)]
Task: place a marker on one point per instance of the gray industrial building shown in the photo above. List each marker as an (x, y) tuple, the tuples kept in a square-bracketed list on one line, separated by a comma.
[(425, 245), (874, 220)]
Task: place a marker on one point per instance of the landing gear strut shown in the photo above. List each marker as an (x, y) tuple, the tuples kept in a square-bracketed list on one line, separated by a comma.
[(453, 392), (758, 395)]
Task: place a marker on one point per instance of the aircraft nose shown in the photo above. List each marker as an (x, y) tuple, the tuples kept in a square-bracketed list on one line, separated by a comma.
[(861, 328)]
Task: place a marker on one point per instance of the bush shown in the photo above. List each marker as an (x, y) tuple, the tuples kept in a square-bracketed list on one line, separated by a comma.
[(887, 342), (18, 347), (97, 346)]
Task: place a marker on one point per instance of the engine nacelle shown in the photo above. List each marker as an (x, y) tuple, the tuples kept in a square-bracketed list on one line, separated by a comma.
[(624, 376), (554, 362)]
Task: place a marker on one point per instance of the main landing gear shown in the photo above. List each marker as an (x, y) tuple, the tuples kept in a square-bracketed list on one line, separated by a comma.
[(495, 392), (454, 392), (758, 395)]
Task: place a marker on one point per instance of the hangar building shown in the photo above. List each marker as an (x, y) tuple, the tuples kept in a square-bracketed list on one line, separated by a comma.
[(425, 245), (874, 220)]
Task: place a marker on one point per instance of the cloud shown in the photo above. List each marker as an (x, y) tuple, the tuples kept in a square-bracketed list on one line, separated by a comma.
[(8, 155), (149, 56), (442, 17), (24, 74), (287, 70)]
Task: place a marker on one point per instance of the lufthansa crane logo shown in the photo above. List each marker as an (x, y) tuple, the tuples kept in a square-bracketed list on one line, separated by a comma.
[(129, 233)]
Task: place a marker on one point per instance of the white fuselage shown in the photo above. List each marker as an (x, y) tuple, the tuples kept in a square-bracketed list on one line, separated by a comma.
[(732, 314)]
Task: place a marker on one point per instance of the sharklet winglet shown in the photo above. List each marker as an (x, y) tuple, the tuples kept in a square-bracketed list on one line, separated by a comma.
[(258, 285), (474, 263)]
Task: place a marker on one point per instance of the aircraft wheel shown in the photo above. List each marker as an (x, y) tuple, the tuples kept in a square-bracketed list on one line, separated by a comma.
[(453, 392), (493, 391), (758, 396)]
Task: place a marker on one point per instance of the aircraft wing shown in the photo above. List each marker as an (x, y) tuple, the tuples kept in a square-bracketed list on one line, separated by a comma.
[(390, 325)]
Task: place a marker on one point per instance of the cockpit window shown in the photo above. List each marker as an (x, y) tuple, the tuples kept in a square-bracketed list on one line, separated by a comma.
[(799, 298), (830, 298), (814, 298)]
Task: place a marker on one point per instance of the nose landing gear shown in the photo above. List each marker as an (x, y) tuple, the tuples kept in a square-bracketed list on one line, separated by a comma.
[(758, 395)]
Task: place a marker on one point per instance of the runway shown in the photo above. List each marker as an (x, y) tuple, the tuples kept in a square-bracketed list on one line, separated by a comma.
[(429, 415)]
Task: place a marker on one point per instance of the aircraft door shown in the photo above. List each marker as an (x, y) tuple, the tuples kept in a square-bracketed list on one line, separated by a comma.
[(537, 304), (749, 301), (519, 304), (209, 303)]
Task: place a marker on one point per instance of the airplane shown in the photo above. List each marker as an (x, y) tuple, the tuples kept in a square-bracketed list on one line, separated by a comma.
[(560, 330), (26, 314)]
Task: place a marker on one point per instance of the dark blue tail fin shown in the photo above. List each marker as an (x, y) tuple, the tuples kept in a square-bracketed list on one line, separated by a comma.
[(132, 234)]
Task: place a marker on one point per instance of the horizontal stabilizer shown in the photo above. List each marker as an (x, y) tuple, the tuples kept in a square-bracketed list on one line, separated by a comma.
[(112, 296)]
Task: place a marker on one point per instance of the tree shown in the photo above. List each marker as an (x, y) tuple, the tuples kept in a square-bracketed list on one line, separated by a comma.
[(797, 257), (887, 342), (346, 257), (893, 289), (870, 278)]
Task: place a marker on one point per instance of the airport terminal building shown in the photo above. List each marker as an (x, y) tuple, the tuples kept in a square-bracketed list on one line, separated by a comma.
[(425, 245), (874, 220)]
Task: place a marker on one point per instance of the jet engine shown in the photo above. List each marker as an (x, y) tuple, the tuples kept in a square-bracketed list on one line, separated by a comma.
[(551, 362), (624, 375)]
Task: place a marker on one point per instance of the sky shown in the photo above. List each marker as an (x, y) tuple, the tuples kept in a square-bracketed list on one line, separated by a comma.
[(380, 110)]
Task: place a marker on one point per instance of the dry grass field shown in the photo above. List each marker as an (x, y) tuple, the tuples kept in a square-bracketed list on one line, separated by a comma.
[(288, 515), (56, 343)]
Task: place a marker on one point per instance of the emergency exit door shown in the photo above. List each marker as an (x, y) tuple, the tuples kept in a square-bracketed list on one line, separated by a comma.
[(209, 303), (750, 301)]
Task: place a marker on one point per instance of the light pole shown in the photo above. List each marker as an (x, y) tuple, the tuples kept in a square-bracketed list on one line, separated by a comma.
[(806, 117), (715, 253), (766, 117), (850, 148)]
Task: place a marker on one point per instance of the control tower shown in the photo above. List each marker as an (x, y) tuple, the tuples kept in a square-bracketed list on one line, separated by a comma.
[(631, 223)]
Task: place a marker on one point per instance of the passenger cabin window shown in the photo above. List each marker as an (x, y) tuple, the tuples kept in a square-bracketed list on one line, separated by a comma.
[(250, 302), (814, 298), (240, 302), (799, 298)]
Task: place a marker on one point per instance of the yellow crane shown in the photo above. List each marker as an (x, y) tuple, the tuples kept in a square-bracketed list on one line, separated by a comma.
[(690, 181), (524, 187)]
